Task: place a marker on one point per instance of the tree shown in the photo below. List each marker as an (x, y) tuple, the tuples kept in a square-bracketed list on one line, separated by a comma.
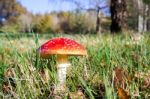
[(146, 1), (96, 4), (148, 23), (44, 23), (142, 8), (25, 21), (10, 10), (147, 14), (118, 10), (93, 4)]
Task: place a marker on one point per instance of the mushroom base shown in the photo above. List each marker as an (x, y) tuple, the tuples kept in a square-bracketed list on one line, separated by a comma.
[(62, 64)]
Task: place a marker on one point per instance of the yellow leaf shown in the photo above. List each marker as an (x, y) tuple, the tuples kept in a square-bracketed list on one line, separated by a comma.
[(122, 94)]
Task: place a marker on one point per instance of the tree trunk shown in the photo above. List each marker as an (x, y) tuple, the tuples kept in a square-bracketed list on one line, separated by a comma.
[(148, 20), (118, 9), (140, 7), (145, 17), (98, 21), (140, 23)]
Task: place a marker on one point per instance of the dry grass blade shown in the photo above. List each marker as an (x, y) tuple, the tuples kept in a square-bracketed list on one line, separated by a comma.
[(44, 75), (145, 76)]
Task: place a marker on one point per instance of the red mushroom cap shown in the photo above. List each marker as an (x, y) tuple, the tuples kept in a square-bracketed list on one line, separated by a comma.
[(63, 46)]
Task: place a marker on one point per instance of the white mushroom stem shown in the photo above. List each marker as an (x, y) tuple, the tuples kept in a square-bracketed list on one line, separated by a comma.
[(62, 64)]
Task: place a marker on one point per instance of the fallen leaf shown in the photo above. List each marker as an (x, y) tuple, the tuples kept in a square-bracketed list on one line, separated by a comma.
[(8, 73), (101, 90), (122, 94), (77, 95), (121, 77), (6, 88)]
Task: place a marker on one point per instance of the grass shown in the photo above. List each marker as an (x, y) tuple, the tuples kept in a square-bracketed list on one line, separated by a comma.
[(115, 67)]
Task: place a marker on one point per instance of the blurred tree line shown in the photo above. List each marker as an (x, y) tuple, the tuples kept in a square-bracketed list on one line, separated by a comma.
[(125, 15)]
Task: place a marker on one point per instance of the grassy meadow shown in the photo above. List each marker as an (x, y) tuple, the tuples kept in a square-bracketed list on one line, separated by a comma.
[(117, 66)]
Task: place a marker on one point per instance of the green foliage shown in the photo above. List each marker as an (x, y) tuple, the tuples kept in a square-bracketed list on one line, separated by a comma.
[(10, 9), (9, 29), (63, 22), (44, 24), (146, 1), (76, 23), (81, 24)]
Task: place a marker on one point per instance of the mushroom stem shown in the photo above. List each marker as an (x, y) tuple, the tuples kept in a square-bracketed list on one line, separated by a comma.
[(62, 64)]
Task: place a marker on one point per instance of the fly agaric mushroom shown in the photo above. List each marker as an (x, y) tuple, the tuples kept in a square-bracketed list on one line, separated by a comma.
[(62, 47)]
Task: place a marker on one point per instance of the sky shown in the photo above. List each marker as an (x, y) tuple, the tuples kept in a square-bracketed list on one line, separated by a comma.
[(43, 6)]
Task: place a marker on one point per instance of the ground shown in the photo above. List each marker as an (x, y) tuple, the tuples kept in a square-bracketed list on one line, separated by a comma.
[(116, 66)]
